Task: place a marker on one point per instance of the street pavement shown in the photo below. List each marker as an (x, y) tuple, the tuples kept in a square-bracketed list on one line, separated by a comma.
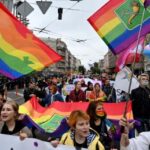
[(17, 96)]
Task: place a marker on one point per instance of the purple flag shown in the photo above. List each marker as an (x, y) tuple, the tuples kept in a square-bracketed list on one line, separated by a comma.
[(146, 3)]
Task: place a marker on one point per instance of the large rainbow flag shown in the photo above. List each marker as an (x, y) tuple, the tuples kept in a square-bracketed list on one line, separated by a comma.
[(51, 119), (20, 51), (118, 24)]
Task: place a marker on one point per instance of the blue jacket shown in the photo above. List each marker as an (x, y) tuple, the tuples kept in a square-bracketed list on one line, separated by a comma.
[(52, 98)]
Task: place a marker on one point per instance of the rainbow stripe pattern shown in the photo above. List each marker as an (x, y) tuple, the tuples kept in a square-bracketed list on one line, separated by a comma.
[(20, 51), (116, 24), (129, 54), (50, 118)]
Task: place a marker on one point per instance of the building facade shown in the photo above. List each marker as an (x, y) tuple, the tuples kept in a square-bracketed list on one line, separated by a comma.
[(109, 61), (69, 62), (101, 64)]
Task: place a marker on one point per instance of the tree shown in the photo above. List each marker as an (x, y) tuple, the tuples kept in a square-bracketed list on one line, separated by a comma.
[(95, 68), (81, 69)]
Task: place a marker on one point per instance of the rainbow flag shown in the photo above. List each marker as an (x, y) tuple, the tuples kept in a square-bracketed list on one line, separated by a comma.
[(20, 51), (128, 55), (51, 119), (118, 24)]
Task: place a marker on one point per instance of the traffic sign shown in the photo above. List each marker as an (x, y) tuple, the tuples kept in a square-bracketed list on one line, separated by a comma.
[(44, 5), (24, 9)]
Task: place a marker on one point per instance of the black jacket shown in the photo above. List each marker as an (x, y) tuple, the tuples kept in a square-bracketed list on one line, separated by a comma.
[(141, 103)]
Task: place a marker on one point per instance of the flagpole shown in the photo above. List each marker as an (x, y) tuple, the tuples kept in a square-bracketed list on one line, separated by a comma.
[(134, 60)]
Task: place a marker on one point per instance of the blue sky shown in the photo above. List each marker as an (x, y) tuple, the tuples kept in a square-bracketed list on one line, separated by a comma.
[(72, 27)]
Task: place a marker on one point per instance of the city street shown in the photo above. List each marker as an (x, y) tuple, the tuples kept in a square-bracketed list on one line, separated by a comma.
[(75, 74), (18, 97)]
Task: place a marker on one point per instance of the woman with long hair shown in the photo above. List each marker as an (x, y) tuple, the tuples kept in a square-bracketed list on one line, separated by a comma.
[(89, 90), (77, 94), (100, 123), (11, 124), (97, 94)]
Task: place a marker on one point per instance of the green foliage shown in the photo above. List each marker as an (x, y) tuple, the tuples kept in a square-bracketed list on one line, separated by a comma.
[(95, 69), (82, 69)]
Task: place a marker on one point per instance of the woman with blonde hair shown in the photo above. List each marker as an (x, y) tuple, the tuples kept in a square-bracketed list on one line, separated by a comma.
[(11, 124)]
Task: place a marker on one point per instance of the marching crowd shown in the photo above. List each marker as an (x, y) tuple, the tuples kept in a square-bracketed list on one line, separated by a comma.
[(91, 129)]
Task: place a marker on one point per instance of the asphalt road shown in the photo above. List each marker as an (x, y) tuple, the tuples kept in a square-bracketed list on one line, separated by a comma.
[(17, 96)]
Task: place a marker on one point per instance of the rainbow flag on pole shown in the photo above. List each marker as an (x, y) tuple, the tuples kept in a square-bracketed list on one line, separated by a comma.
[(118, 24), (20, 51), (128, 55), (50, 119)]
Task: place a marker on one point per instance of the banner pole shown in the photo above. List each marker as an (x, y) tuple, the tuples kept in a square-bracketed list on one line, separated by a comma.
[(134, 60)]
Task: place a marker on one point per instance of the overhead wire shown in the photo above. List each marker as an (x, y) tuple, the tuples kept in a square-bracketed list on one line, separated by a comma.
[(78, 40), (75, 40), (67, 37), (53, 21), (72, 9)]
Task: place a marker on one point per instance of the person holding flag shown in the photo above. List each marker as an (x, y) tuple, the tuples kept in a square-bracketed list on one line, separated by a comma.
[(142, 142)]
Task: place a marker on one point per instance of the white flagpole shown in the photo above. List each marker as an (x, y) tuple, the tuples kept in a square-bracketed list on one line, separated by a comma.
[(133, 66)]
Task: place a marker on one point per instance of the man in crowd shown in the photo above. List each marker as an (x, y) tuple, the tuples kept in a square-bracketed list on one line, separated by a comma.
[(109, 91), (141, 103)]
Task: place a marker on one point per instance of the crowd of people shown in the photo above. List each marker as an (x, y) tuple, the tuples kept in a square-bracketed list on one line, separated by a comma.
[(50, 90), (91, 129)]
